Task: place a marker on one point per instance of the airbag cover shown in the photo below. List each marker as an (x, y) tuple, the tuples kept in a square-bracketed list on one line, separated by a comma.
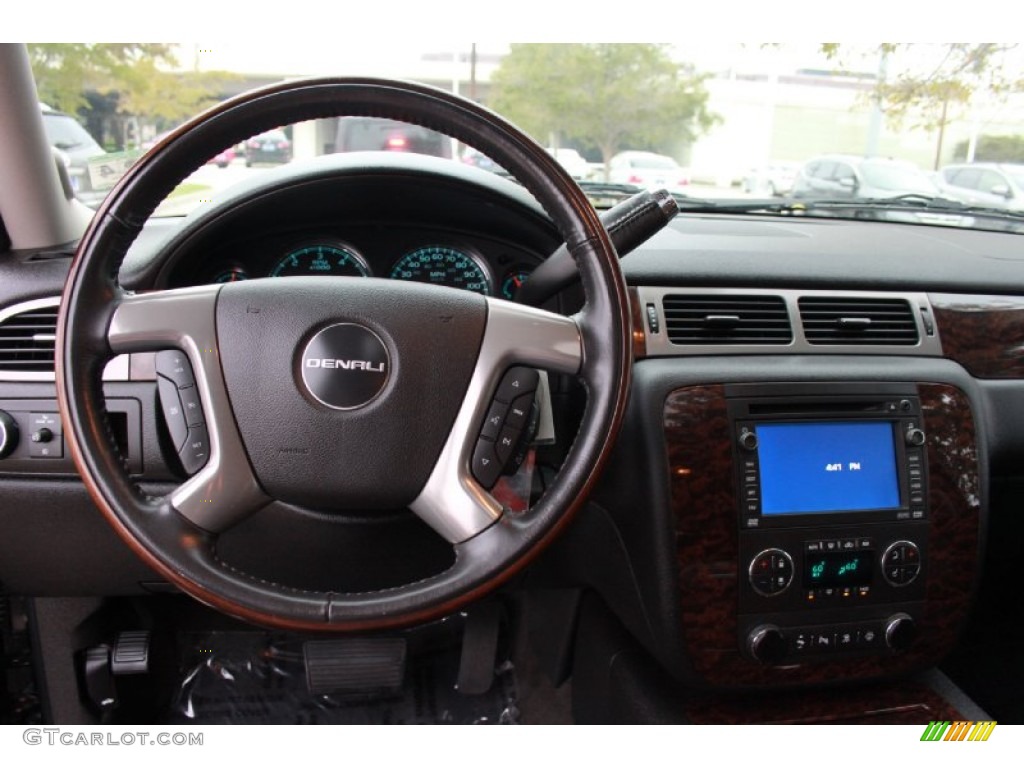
[(363, 452)]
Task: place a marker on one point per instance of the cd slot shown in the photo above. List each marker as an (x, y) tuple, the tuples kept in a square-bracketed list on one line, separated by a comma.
[(789, 408)]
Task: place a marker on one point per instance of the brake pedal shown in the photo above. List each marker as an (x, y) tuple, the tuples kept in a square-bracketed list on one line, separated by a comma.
[(355, 665)]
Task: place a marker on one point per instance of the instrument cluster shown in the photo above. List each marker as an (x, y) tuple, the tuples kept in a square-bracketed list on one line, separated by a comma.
[(488, 267)]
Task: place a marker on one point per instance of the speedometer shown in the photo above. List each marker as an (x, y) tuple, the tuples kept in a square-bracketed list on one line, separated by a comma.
[(442, 265), (322, 259)]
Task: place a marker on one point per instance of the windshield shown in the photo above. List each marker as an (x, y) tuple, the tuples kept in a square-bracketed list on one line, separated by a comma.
[(732, 121), (894, 178), (64, 132)]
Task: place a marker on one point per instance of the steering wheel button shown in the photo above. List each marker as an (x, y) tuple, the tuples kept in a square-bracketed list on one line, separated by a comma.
[(519, 410), (174, 417), (485, 466), (191, 406), (517, 381), (196, 450), (494, 422), (174, 364), (506, 443)]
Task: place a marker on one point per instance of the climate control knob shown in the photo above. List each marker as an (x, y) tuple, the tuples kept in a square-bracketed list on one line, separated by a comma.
[(767, 644), (900, 631), (771, 572), (914, 436), (8, 434)]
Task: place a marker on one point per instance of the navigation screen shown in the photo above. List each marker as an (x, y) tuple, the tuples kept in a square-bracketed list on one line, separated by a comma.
[(827, 467)]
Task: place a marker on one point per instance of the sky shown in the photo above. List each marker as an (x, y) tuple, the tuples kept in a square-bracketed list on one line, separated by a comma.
[(317, 28)]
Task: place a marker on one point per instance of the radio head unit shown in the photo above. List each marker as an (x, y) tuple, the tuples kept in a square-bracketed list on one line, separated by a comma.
[(852, 456)]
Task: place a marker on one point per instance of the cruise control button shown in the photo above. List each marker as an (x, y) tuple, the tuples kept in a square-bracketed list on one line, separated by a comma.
[(517, 381), (485, 466), (173, 415), (494, 422), (196, 451), (174, 364), (191, 406)]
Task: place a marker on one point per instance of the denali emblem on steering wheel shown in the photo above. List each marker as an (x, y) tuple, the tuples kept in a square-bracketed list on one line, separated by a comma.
[(345, 366)]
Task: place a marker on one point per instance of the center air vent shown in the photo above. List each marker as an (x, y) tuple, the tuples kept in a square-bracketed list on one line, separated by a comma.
[(710, 319), (858, 321), (28, 333)]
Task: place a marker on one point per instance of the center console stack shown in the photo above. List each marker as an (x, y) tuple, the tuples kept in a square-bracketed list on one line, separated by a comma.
[(832, 520), (845, 544)]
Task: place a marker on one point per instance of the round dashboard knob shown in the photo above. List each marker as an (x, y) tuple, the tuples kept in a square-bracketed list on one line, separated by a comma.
[(900, 631), (748, 439), (915, 436), (8, 434), (767, 644)]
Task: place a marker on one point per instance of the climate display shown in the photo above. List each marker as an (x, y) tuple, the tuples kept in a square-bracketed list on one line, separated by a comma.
[(838, 569), (825, 467)]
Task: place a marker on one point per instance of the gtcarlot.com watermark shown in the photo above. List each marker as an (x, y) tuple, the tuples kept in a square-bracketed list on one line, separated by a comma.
[(66, 737)]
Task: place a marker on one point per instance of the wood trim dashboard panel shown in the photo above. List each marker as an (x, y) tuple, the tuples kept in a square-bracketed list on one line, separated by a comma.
[(985, 334), (700, 455)]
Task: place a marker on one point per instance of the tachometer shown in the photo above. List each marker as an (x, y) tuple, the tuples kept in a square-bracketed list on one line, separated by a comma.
[(322, 259), (442, 265), (513, 281), (231, 275)]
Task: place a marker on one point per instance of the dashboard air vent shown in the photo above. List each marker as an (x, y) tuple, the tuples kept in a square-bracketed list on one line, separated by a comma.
[(27, 338), (728, 319), (858, 321)]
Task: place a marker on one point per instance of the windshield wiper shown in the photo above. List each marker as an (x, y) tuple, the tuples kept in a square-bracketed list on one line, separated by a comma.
[(911, 202)]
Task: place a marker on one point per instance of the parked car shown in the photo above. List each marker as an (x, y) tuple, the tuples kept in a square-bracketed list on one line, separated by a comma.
[(648, 170), (269, 147), (773, 179), (374, 134), (478, 159), (572, 161), (76, 147), (999, 185), (223, 159), (837, 177)]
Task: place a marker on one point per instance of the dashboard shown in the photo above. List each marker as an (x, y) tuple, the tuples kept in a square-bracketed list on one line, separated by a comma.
[(468, 261), (764, 348)]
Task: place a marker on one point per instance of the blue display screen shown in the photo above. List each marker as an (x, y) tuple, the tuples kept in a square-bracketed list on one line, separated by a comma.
[(827, 467)]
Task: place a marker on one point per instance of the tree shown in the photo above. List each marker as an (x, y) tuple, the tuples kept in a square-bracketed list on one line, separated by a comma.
[(139, 78), (938, 82), (607, 96)]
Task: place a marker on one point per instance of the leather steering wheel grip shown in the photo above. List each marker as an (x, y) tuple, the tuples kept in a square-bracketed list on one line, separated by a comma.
[(185, 553)]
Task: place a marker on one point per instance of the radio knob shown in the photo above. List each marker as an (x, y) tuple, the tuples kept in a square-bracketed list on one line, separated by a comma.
[(900, 631), (767, 644), (8, 434), (915, 436), (748, 439)]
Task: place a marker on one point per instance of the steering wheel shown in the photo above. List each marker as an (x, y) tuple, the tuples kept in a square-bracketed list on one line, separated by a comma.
[(338, 391)]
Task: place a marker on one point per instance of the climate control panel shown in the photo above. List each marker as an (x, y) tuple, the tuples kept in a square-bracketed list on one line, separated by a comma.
[(810, 593)]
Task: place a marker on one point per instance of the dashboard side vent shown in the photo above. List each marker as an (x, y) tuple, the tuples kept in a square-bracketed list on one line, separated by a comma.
[(28, 333), (858, 321), (726, 319)]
